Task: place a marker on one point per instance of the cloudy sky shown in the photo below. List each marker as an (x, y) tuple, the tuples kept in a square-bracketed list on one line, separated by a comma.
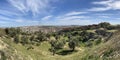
[(58, 12)]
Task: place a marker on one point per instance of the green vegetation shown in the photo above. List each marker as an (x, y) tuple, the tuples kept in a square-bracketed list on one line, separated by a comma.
[(90, 42)]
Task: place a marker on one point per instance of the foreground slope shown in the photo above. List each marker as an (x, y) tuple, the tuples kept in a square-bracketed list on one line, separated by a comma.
[(105, 51)]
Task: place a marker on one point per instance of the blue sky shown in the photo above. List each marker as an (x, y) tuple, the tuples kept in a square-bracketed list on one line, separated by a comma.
[(58, 12)]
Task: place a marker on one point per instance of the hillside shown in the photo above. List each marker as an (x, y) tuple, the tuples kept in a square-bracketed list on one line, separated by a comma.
[(105, 51), (59, 30), (78, 43)]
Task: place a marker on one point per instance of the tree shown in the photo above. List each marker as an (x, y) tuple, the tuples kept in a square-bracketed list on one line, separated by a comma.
[(17, 39), (53, 49), (32, 38), (72, 45), (59, 44), (104, 24), (12, 31), (24, 40), (56, 45), (41, 37)]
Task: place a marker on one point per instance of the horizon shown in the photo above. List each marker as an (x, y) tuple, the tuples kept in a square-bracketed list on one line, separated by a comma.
[(16, 13), (55, 25)]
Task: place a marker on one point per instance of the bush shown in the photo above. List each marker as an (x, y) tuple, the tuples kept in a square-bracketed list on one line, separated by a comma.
[(17, 39), (24, 40), (101, 32)]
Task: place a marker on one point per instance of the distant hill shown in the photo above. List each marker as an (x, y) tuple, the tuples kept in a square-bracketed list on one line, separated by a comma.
[(45, 29)]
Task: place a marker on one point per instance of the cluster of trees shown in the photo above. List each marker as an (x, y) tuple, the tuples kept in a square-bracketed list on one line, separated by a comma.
[(77, 39), (12, 31), (58, 44), (104, 25), (23, 37), (74, 38)]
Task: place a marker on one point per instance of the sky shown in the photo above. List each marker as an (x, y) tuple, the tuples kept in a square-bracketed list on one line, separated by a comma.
[(14, 13)]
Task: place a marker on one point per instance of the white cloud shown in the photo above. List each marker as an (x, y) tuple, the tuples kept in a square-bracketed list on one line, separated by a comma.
[(75, 13), (25, 21), (102, 2), (106, 5), (19, 4), (47, 17), (4, 20), (72, 15), (116, 5), (70, 18), (9, 13), (99, 9), (34, 6)]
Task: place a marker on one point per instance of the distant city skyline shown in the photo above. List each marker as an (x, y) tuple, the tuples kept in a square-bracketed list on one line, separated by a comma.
[(58, 12)]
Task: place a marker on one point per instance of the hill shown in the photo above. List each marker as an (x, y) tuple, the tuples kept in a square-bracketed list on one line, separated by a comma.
[(45, 29), (71, 43), (106, 51)]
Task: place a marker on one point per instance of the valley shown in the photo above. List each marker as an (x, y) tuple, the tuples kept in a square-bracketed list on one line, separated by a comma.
[(95, 42)]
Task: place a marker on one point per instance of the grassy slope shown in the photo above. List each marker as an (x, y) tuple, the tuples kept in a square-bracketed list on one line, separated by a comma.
[(108, 51), (40, 53), (105, 51)]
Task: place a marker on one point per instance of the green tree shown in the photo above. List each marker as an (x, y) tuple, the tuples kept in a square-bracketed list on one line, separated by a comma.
[(56, 45), (41, 37), (32, 38), (72, 45), (12, 31), (104, 24), (24, 40), (53, 44), (17, 39)]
